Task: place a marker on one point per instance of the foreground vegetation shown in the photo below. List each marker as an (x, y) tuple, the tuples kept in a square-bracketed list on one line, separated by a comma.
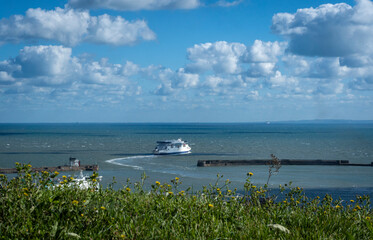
[(32, 206)]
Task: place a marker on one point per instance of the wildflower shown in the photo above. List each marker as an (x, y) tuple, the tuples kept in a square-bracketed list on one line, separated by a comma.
[(25, 189), (337, 206), (297, 202), (56, 173), (122, 236), (75, 202), (103, 208), (210, 205), (253, 186), (284, 201), (82, 215), (28, 175), (29, 165), (128, 189), (367, 218), (25, 194), (71, 178), (250, 174), (358, 207), (229, 191), (17, 163), (352, 201), (218, 189), (94, 180), (157, 183), (177, 179), (170, 193), (64, 177)]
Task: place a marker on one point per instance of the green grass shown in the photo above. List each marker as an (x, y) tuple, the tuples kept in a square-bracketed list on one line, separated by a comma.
[(33, 207)]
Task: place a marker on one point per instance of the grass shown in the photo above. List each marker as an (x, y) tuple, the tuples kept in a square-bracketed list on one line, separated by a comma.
[(33, 207)]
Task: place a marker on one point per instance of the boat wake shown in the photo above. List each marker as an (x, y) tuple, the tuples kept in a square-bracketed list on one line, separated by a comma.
[(129, 161)]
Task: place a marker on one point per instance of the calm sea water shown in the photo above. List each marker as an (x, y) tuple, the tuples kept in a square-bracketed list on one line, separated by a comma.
[(124, 151)]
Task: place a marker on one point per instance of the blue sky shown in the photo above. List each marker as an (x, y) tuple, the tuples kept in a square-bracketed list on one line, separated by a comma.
[(185, 60)]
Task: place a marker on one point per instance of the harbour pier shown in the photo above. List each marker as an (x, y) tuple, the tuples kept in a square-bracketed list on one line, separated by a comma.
[(318, 162)]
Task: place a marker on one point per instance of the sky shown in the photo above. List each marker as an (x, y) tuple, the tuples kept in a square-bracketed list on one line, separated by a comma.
[(185, 60)]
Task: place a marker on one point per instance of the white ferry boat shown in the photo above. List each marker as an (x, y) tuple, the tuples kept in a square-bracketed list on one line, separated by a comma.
[(172, 147)]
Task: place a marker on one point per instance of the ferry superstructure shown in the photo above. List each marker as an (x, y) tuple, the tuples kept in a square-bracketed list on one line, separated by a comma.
[(177, 146)]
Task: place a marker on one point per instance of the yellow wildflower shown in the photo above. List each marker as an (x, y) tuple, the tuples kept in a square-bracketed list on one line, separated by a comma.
[(337, 206), (94, 180), (56, 173), (122, 236), (253, 186), (71, 178), (368, 218), (128, 189), (25, 194), (229, 191), (170, 193), (82, 214), (352, 201), (218, 189), (75, 202), (63, 176), (250, 174), (157, 183), (29, 165), (177, 179), (103, 208), (210, 205)]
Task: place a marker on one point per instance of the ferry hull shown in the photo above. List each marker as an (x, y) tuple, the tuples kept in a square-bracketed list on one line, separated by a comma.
[(171, 153)]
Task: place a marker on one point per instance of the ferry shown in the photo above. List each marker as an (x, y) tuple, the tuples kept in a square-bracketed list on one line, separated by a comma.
[(166, 147)]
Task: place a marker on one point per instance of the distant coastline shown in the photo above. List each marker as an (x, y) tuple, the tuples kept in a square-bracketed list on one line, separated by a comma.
[(314, 121)]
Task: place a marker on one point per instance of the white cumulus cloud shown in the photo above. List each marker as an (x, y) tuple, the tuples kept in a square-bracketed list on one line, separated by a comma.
[(220, 57), (328, 30), (71, 27), (130, 5)]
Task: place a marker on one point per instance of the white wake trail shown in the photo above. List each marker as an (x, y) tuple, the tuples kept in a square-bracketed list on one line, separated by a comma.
[(128, 161)]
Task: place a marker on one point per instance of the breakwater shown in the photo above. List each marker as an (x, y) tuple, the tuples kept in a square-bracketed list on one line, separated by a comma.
[(53, 169), (220, 163)]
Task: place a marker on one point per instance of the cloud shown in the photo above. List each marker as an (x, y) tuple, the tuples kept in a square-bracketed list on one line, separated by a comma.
[(71, 27), (172, 81), (329, 30), (264, 51), (220, 57), (223, 3), (50, 66), (37, 61), (130, 5)]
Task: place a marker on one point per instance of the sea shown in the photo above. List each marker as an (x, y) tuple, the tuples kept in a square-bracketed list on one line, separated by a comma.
[(123, 152)]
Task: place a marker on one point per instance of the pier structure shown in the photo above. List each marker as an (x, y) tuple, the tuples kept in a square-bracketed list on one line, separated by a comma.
[(53, 169), (74, 165), (221, 163)]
